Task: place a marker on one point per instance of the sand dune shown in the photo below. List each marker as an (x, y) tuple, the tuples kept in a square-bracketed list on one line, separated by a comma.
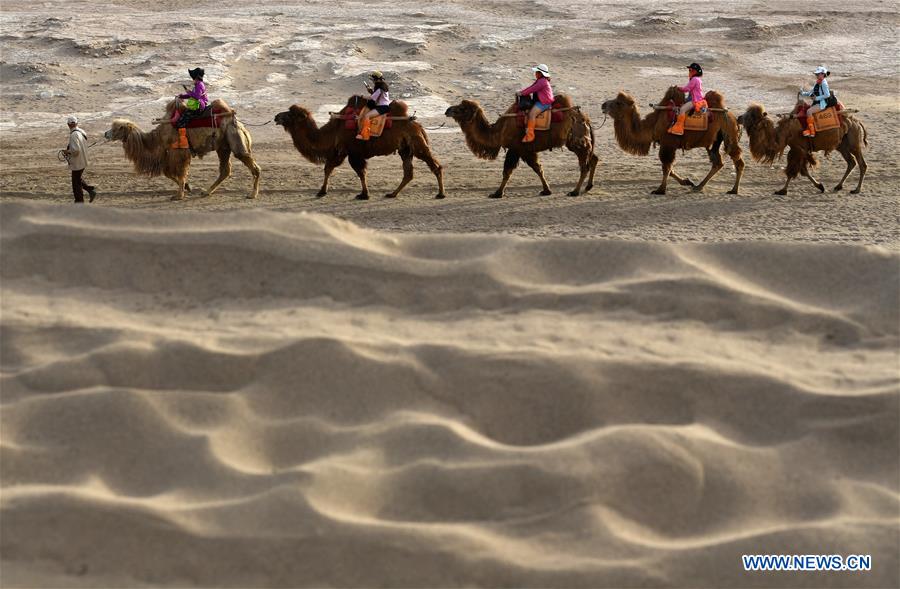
[(279, 399)]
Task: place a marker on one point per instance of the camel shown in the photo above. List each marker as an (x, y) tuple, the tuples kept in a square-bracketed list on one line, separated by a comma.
[(635, 135), (333, 142), (152, 154), (768, 140), (486, 139)]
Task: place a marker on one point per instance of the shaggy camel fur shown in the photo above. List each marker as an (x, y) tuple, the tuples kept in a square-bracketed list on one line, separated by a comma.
[(486, 139), (333, 142), (152, 155), (768, 140), (636, 135)]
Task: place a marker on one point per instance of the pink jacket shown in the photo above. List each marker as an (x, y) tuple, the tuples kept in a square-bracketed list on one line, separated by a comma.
[(695, 87), (543, 89), (199, 92)]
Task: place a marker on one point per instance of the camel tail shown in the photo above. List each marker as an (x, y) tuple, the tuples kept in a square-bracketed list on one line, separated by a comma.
[(865, 134), (238, 138), (593, 141)]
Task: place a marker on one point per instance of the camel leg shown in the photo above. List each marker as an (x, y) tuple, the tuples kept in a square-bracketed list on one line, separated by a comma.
[(586, 165), (805, 171), (405, 155), (715, 158), (224, 153), (181, 184), (248, 161), (844, 150), (667, 158), (794, 164), (330, 165), (863, 166), (421, 150), (684, 181), (593, 160), (358, 164), (509, 164), (181, 178), (734, 152), (587, 162), (532, 159)]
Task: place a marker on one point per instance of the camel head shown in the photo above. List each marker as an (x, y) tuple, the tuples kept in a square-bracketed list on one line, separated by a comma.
[(120, 129), (754, 115), (463, 112), (618, 106), (291, 117)]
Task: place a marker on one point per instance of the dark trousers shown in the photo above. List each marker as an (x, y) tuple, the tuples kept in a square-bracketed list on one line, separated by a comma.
[(79, 185)]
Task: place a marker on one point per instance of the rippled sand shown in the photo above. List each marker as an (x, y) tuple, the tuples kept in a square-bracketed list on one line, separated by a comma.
[(278, 399)]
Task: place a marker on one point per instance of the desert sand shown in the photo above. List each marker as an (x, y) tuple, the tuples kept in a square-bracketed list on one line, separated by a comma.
[(613, 390)]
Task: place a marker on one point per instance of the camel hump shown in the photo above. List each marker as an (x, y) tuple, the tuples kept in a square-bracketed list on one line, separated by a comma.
[(399, 108), (562, 101), (220, 106), (715, 99)]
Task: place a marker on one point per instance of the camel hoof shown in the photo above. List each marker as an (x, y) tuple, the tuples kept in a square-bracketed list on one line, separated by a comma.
[(321, 193), (732, 191), (839, 187), (251, 197), (204, 193), (574, 193), (362, 197), (176, 197), (780, 192), (821, 187), (546, 192), (187, 187), (688, 182), (696, 188), (440, 196), (495, 195), (855, 191), (390, 195), (658, 191), (588, 187)]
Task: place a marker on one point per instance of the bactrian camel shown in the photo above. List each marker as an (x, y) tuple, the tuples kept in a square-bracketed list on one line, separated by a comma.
[(153, 155), (769, 139), (335, 141), (636, 135), (486, 139)]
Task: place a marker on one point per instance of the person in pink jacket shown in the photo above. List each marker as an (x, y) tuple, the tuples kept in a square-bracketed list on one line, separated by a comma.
[(544, 101), (695, 100), (197, 100)]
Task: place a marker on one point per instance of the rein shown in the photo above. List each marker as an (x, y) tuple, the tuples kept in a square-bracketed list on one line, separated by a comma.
[(660, 107), (61, 155), (552, 110)]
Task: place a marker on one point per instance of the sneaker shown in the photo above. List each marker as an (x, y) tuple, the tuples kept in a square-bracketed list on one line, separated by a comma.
[(92, 192)]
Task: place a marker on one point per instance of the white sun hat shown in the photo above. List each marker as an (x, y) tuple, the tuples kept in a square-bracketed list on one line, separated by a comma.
[(541, 67), (72, 119), (821, 70)]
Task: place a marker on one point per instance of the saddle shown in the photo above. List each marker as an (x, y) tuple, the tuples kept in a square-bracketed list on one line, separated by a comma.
[(824, 120), (351, 117), (543, 121), (213, 116), (695, 121)]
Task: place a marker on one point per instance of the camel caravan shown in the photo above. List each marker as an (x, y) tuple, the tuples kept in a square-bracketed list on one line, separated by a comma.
[(538, 120)]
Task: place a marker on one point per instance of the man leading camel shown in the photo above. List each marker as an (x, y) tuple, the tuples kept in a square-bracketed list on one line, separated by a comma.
[(76, 155)]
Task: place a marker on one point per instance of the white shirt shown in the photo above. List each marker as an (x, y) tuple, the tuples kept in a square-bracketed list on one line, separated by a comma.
[(77, 149)]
